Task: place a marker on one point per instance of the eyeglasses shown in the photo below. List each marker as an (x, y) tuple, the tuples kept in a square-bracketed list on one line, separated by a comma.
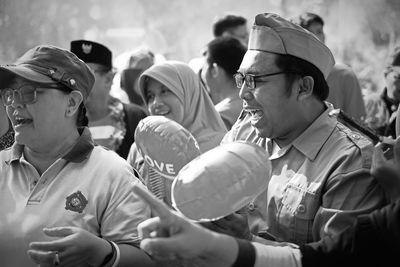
[(26, 94), (250, 79)]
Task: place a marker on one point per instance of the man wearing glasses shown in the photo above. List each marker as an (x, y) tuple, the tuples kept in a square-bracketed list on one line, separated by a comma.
[(111, 122), (320, 177)]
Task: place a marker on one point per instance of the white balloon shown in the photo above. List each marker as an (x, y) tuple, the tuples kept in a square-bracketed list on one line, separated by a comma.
[(221, 181)]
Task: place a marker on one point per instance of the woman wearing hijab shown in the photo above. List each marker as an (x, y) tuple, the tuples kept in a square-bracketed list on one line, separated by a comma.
[(173, 90)]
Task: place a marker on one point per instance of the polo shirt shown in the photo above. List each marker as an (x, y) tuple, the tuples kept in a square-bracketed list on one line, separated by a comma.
[(90, 188)]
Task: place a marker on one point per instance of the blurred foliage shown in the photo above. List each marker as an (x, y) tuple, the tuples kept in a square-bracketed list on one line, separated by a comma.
[(360, 33)]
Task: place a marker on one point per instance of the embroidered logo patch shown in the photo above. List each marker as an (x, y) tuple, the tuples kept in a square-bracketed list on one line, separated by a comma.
[(86, 48), (76, 202)]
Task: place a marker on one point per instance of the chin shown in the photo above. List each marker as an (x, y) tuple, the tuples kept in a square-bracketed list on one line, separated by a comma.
[(20, 140)]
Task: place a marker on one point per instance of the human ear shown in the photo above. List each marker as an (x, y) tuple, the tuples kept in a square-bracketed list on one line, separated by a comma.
[(75, 98), (306, 86), (214, 70)]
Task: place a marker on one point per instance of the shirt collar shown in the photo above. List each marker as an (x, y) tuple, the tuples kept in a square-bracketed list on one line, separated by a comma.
[(313, 138), (78, 153)]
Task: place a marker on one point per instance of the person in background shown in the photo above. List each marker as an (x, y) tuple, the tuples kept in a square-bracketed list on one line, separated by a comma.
[(228, 25), (231, 25), (381, 107), (138, 61), (320, 178), (372, 240), (344, 87), (223, 58), (63, 200), (6, 129), (173, 90), (111, 122)]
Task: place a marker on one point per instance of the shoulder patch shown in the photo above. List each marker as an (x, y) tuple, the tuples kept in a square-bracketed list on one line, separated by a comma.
[(356, 136), (364, 143)]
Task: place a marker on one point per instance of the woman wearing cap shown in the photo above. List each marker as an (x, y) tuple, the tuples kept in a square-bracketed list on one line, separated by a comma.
[(63, 201), (173, 90)]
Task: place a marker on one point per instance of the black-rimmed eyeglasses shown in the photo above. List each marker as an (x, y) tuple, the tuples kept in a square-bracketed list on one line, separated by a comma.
[(250, 80)]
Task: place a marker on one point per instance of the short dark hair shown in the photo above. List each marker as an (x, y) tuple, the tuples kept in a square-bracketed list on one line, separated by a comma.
[(227, 22), (82, 120), (308, 18), (295, 66), (227, 52)]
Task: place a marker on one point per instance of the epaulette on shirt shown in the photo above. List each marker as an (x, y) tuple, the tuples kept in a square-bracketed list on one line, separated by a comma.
[(356, 126), (360, 137)]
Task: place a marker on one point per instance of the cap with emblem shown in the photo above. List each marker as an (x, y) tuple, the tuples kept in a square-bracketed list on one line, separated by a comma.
[(92, 52), (274, 34), (49, 64)]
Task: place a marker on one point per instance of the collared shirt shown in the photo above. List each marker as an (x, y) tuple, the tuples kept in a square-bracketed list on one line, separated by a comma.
[(319, 183), (110, 131), (89, 188)]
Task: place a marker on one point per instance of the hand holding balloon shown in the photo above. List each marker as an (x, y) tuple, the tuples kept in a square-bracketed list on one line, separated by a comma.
[(166, 147)]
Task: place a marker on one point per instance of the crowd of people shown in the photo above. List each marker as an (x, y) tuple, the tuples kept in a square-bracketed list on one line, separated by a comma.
[(77, 191)]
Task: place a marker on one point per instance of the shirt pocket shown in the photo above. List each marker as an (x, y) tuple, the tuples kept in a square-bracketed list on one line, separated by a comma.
[(300, 206)]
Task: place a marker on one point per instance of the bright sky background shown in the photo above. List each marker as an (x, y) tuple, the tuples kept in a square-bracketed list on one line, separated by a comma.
[(360, 33)]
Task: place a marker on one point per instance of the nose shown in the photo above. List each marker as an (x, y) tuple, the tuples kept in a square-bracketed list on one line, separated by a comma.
[(157, 101), (245, 93)]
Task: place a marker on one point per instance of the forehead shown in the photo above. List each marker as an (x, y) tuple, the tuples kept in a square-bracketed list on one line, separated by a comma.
[(151, 83), (17, 80), (258, 62), (238, 31), (93, 65)]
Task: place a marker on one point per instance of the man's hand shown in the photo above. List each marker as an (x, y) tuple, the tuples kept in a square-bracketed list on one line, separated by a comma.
[(235, 225), (386, 167), (75, 247), (170, 236)]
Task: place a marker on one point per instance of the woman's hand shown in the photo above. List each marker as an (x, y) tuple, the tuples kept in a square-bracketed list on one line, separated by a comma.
[(74, 247)]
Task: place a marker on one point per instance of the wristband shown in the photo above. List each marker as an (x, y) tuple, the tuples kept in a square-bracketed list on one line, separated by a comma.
[(246, 255), (118, 254), (112, 259)]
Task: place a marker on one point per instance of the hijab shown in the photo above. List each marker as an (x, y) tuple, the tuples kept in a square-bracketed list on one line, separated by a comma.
[(200, 115)]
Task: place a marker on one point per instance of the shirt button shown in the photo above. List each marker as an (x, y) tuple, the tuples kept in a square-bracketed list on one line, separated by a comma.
[(355, 136), (251, 206), (301, 208)]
